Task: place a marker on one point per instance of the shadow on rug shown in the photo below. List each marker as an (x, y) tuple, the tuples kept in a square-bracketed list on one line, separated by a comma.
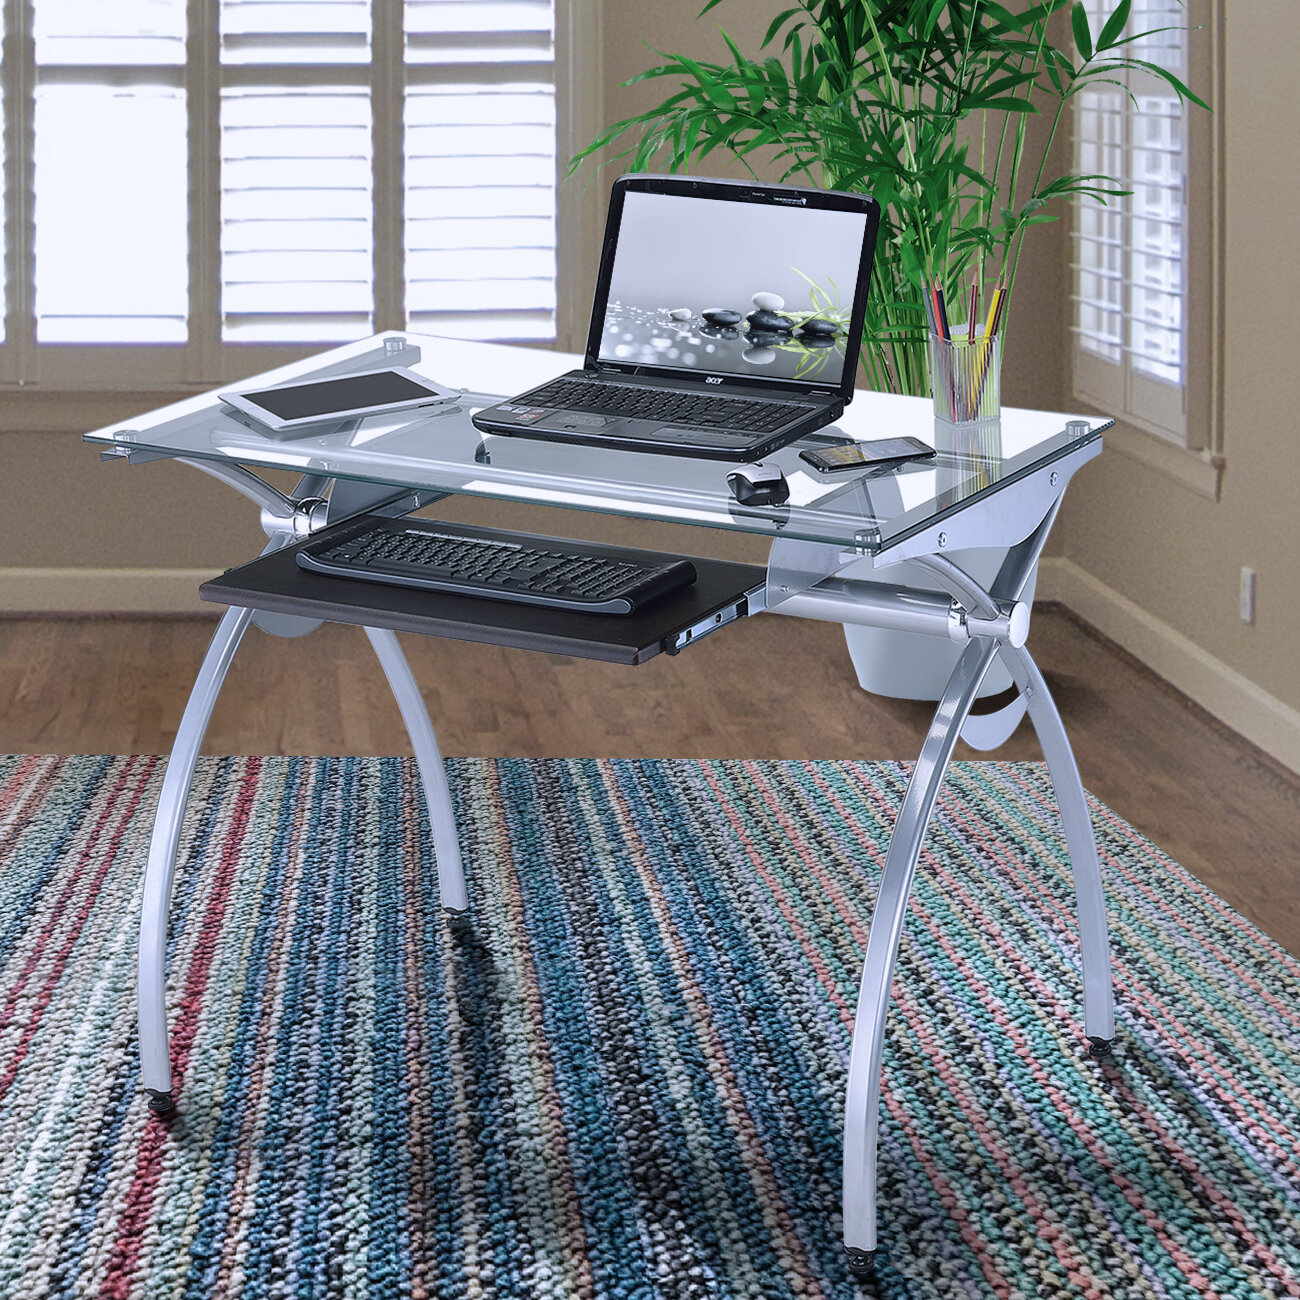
[(624, 1078)]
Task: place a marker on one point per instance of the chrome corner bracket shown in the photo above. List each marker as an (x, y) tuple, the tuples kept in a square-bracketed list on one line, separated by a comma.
[(299, 519)]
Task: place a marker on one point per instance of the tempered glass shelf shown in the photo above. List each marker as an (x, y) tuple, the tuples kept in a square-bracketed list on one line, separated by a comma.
[(439, 449)]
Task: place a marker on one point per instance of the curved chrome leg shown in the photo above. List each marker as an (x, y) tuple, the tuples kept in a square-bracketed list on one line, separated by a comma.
[(863, 1096), (433, 772), (1098, 997), (155, 1063)]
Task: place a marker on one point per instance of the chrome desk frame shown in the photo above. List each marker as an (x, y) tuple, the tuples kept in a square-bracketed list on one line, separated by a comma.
[(990, 623), (284, 519), (803, 581)]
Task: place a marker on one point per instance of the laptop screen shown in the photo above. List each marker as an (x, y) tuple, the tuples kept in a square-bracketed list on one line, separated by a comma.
[(739, 288)]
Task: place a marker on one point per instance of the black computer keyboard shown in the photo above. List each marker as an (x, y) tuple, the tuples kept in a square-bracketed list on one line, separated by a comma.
[(698, 410), (468, 561)]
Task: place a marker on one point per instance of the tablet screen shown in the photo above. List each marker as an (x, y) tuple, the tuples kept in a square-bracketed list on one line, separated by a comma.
[(348, 393)]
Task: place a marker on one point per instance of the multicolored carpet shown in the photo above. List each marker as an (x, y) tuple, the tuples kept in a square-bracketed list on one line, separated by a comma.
[(624, 1079)]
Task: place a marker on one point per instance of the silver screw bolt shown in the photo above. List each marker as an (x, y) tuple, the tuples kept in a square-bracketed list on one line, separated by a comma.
[(1055, 478), (943, 540)]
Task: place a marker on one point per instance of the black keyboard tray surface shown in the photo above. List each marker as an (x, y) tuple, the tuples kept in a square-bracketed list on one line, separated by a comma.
[(276, 584)]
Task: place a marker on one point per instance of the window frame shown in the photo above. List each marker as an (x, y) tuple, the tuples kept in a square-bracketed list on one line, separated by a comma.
[(30, 370), (1191, 448)]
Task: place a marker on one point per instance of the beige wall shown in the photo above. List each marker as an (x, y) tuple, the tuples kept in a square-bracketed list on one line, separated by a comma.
[(1172, 552), (1131, 539)]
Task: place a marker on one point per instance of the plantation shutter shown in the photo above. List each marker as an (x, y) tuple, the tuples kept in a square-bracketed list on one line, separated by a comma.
[(1129, 260), (188, 177), (480, 168), (108, 121), (298, 231), (296, 165)]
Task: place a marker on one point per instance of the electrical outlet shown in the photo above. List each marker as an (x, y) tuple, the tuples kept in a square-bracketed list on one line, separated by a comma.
[(1246, 595)]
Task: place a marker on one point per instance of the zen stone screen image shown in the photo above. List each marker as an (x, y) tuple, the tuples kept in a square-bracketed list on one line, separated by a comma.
[(732, 287)]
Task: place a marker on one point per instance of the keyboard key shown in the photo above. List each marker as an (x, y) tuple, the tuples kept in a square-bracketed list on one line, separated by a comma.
[(699, 410), (477, 562)]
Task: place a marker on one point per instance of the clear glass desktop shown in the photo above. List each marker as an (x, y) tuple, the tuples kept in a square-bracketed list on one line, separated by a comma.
[(439, 449)]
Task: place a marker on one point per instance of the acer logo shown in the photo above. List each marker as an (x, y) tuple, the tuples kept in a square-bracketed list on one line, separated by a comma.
[(709, 379), (800, 202)]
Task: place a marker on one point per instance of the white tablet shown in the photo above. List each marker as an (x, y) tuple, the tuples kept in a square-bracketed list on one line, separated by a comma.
[(342, 397)]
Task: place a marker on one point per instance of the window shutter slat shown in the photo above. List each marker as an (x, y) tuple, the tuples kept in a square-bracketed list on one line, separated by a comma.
[(296, 239), (1128, 254), (480, 208)]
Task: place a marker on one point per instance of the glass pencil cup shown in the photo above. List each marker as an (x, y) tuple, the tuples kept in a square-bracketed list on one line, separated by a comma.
[(966, 377)]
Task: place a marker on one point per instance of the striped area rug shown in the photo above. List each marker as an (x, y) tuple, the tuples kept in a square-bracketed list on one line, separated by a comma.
[(624, 1078)]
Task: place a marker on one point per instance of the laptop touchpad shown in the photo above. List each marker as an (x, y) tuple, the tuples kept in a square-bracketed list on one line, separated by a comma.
[(568, 420)]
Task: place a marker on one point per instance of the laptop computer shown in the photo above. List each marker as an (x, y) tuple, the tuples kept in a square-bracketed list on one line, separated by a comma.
[(727, 321)]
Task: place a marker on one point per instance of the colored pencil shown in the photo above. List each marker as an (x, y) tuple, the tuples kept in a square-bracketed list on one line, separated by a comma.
[(994, 303), (943, 311), (997, 319)]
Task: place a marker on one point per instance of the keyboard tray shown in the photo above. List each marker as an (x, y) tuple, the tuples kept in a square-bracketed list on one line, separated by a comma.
[(275, 583)]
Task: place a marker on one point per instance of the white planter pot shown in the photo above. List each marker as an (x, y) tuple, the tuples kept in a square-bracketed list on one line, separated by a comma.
[(911, 665)]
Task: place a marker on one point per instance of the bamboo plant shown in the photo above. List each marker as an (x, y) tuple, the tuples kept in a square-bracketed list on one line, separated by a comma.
[(922, 103)]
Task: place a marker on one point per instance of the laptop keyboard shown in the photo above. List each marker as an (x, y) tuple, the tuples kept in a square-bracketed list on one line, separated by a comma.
[(703, 411)]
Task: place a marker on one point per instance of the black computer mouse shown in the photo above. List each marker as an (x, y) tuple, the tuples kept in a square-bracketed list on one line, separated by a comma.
[(758, 485)]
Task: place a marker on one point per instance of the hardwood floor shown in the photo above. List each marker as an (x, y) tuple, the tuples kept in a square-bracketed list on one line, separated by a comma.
[(767, 688)]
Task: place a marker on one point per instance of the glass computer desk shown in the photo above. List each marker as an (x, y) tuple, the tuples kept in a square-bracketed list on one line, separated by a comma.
[(990, 486)]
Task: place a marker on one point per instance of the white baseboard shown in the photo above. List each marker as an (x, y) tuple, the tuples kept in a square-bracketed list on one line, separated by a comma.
[(104, 591), (1231, 697)]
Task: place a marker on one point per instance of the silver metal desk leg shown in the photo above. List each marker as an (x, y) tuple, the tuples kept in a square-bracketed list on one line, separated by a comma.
[(155, 1064), (1098, 997), (862, 1102), (433, 773)]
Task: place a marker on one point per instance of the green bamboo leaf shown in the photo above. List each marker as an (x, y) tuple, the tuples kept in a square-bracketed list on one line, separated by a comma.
[(1007, 105), (739, 58), (1058, 59), (1082, 36), (664, 70), (1074, 183), (1114, 25), (936, 8), (1005, 20), (777, 23), (691, 135), (1085, 82), (1165, 74), (711, 85), (1153, 31)]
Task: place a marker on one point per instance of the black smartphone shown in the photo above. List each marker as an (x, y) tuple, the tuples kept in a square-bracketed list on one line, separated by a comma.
[(855, 455)]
